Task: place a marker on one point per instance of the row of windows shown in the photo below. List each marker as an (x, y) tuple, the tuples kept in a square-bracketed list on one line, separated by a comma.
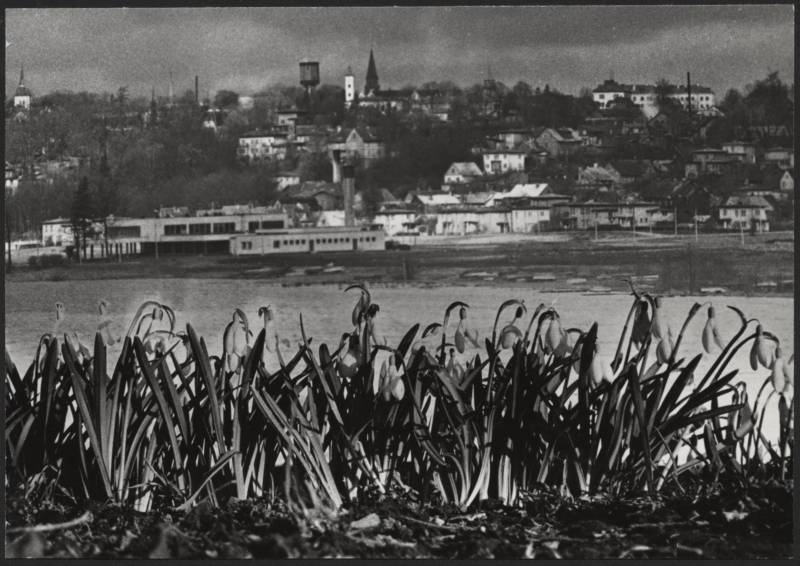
[(124, 232), (183, 229), (246, 245), (650, 97)]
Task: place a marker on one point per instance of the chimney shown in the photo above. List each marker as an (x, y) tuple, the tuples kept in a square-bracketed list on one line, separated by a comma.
[(689, 92), (196, 89), (348, 190)]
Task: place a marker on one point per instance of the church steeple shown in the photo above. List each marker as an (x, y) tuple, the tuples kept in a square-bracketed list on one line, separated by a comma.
[(22, 96), (371, 84)]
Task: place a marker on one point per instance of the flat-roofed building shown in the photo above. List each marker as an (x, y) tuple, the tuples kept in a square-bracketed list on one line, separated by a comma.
[(304, 240), (209, 233)]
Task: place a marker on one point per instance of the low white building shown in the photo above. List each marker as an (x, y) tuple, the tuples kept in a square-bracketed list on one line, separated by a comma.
[(57, 232), (303, 240), (460, 221), (329, 218), (209, 233), (12, 179), (748, 212), (396, 221), (530, 219), (636, 215)]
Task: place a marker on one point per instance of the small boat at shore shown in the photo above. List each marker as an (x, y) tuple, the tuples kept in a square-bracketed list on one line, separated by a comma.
[(713, 290), (333, 269), (576, 280), (599, 290), (478, 274)]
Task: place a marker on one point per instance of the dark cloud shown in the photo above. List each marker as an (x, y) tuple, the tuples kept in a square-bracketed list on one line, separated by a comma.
[(248, 48)]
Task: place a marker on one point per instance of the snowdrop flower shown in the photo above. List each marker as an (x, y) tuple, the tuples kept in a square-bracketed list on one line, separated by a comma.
[(659, 327), (391, 382), (763, 350), (711, 338)]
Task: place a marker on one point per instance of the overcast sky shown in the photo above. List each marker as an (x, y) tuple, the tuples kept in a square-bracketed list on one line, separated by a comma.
[(246, 49)]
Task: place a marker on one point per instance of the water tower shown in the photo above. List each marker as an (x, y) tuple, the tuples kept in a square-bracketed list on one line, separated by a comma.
[(309, 78)]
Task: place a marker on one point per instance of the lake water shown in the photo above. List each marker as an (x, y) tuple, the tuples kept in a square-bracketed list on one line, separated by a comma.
[(209, 303)]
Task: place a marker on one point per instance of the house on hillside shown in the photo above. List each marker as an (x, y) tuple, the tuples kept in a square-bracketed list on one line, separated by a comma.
[(783, 157), (478, 198), (533, 194), (630, 170), (511, 138), (12, 179), (594, 177), (289, 117), (384, 199), (787, 183), (498, 161), (710, 160), (744, 151), (357, 144), (262, 145), (286, 179), (745, 212), (561, 142), (317, 195), (430, 202), (461, 172)]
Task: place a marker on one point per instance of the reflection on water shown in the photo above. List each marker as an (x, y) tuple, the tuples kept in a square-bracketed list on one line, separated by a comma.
[(209, 303)]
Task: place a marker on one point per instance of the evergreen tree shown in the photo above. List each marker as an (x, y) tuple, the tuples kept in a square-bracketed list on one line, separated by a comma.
[(81, 215)]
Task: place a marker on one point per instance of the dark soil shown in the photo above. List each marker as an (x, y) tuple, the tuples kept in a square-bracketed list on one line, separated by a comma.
[(736, 523)]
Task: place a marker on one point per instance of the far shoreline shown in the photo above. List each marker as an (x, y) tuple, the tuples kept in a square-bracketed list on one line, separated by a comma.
[(549, 263)]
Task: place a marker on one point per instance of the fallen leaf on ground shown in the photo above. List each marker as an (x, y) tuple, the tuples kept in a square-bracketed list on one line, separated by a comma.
[(735, 515), (368, 522)]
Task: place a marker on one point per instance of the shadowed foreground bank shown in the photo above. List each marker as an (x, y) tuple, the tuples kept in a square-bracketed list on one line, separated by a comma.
[(733, 523)]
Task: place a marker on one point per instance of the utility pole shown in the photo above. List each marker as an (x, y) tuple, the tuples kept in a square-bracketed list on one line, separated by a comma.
[(675, 218), (695, 224), (8, 237)]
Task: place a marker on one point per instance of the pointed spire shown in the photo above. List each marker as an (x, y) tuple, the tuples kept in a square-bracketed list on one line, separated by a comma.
[(349, 71), (371, 83), (21, 75)]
